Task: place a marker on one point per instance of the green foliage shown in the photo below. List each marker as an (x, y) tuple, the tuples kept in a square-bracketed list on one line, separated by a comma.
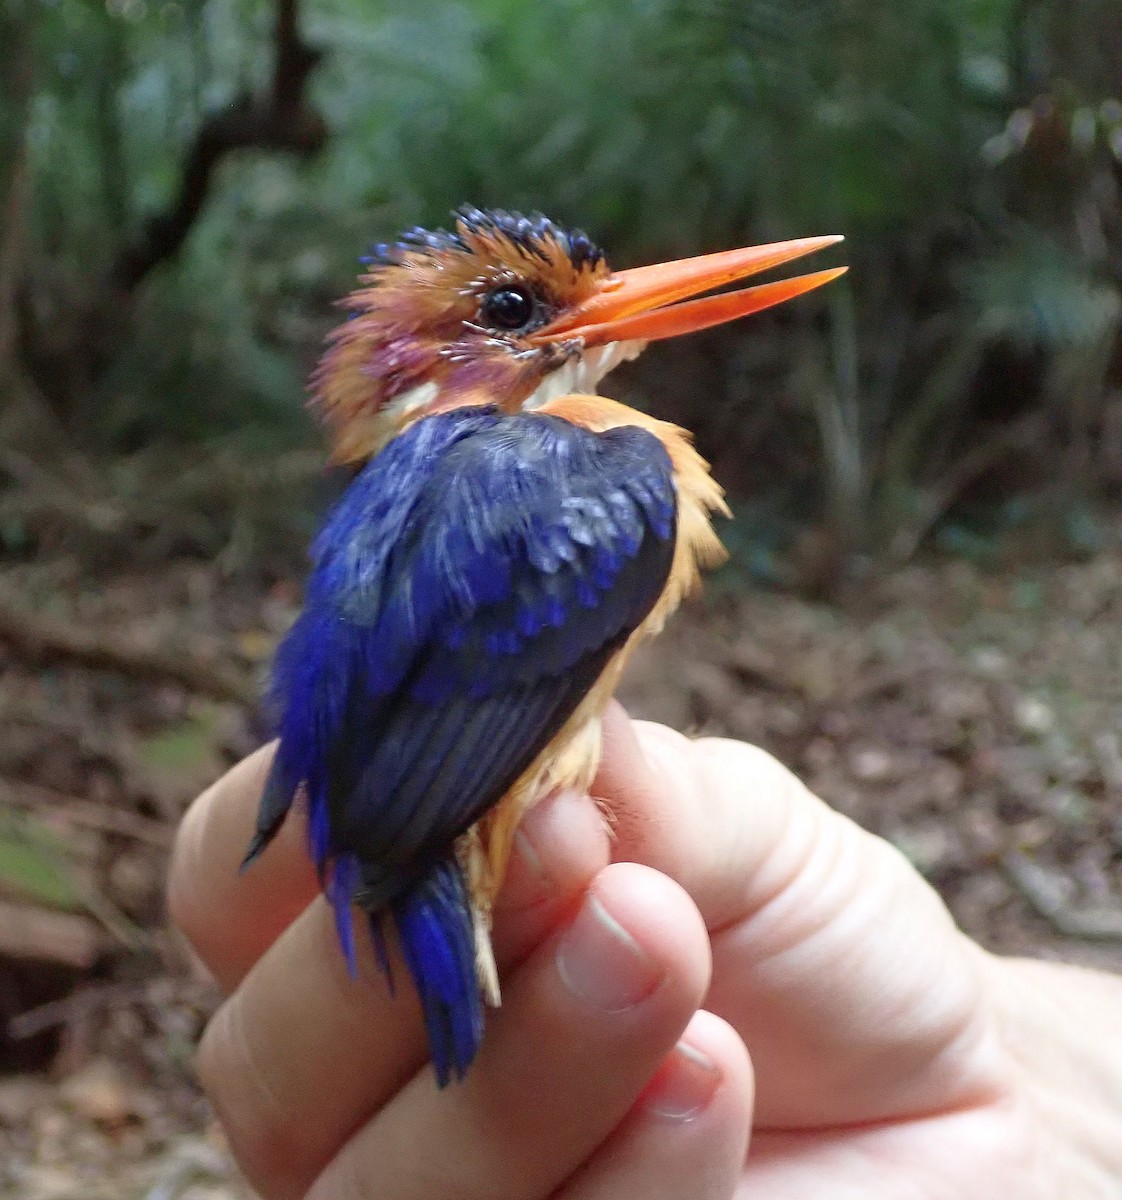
[(182, 757), (33, 863), (965, 148), (1029, 291)]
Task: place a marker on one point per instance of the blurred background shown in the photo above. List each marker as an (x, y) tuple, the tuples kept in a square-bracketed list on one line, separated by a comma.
[(922, 608)]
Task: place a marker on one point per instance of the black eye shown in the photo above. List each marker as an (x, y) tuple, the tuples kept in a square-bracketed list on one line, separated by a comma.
[(509, 307)]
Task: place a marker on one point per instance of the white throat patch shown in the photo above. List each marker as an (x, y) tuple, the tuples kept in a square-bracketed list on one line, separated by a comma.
[(582, 375)]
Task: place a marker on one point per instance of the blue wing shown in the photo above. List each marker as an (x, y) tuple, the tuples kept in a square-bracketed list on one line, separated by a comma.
[(466, 593)]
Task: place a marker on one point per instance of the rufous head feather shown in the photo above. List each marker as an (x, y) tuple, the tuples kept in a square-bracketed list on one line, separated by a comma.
[(514, 311)]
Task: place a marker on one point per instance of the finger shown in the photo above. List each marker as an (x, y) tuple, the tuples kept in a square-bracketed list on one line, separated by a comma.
[(302, 1054), (837, 964), (727, 838), (688, 1134), (586, 1023), (229, 916)]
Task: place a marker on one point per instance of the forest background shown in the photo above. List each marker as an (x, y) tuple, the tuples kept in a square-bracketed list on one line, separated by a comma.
[(921, 613)]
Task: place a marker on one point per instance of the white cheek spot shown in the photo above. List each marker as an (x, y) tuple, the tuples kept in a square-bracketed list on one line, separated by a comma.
[(419, 397), (579, 375), (582, 375)]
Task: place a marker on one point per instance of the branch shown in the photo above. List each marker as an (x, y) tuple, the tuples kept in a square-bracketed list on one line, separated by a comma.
[(276, 120), (1046, 894), (33, 1021), (1014, 438), (40, 933), (150, 494), (89, 814), (44, 639)]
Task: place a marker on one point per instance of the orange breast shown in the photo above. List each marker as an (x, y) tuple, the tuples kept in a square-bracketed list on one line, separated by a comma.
[(573, 756)]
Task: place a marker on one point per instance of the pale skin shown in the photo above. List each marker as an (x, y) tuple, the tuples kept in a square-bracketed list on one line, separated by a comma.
[(738, 994)]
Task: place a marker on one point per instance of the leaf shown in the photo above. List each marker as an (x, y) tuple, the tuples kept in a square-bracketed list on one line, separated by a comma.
[(33, 864), (184, 756), (1032, 291)]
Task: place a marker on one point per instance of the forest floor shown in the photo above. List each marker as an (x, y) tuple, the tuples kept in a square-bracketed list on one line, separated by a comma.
[(972, 718)]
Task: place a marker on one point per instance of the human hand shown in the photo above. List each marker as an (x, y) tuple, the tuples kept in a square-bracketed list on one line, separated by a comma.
[(891, 1055)]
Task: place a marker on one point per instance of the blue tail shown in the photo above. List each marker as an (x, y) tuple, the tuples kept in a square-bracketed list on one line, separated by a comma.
[(437, 936)]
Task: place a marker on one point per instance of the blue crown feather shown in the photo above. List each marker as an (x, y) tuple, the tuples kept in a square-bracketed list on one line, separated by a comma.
[(527, 232)]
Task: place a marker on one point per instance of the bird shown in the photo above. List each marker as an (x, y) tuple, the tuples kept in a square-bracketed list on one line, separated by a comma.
[(507, 539)]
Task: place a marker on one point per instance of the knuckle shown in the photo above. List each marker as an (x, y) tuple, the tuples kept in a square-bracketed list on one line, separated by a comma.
[(263, 1138)]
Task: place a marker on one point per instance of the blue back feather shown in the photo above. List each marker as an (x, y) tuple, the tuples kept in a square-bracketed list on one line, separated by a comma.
[(466, 593)]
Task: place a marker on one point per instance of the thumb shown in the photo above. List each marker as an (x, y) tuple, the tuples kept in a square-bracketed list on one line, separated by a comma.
[(839, 966)]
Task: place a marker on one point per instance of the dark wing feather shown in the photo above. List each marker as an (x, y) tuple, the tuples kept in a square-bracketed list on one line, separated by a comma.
[(467, 592)]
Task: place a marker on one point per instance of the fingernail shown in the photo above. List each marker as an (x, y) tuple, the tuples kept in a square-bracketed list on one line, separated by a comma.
[(600, 962), (684, 1086)]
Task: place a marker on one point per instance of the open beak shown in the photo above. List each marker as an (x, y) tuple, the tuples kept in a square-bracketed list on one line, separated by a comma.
[(643, 303)]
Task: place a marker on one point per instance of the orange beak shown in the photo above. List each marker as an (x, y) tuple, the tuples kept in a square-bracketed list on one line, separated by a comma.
[(642, 303)]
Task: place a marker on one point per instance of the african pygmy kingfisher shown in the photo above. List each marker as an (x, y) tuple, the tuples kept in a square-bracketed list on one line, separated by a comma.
[(509, 539)]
